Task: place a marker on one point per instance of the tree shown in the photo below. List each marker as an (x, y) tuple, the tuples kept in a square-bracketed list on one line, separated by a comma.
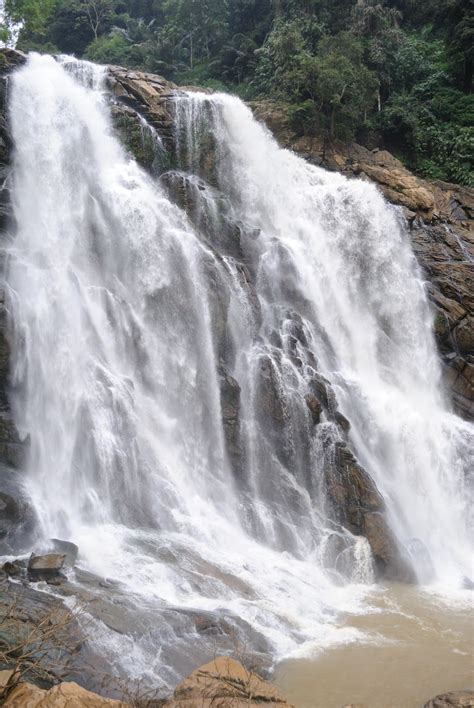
[(99, 14), (286, 64), (33, 15), (70, 29), (458, 19), (371, 18), (199, 26), (345, 87)]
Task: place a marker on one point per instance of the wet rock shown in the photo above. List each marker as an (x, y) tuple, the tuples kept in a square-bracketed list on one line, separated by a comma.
[(459, 376), (11, 58), (12, 448), (10, 513), (338, 555), (230, 404), (248, 286), (69, 549), (270, 394), (456, 699), (273, 409), (321, 388), (219, 299), (389, 560), (315, 408), (14, 569), (342, 421), (46, 567), (17, 518), (463, 335), (209, 624), (225, 682), (148, 94), (358, 505), (27, 614)]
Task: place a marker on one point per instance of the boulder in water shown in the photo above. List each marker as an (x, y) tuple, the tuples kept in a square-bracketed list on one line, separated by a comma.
[(13, 569), (46, 567), (69, 549)]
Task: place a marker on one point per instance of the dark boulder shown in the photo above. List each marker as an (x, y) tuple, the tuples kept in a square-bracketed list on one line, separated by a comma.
[(14, 569), (46, 567)]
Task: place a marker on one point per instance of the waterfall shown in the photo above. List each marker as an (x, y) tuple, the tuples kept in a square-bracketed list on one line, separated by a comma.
[(333, 248), (164, 362)]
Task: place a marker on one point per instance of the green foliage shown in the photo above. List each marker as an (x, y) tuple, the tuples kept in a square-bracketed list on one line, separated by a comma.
[(110, 49), (305, 117), (400, 70), (344, 85), (452, 152), (33, 13), (435, 136), (457, 18), (286, 64)]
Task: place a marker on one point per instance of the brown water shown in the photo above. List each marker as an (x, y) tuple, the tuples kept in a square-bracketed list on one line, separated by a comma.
[(418, 645)]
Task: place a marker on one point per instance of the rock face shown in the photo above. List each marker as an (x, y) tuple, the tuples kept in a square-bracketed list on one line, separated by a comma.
[(440, 217), (12, 448), (224, 682), (456, 699), (359, 507), (16, 520)]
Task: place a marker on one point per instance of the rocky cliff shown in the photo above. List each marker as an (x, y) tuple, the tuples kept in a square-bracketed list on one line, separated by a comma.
[(440, 219)]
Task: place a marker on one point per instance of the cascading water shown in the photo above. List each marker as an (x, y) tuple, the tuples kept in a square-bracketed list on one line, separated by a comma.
[(166, 398), (334, 249)]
